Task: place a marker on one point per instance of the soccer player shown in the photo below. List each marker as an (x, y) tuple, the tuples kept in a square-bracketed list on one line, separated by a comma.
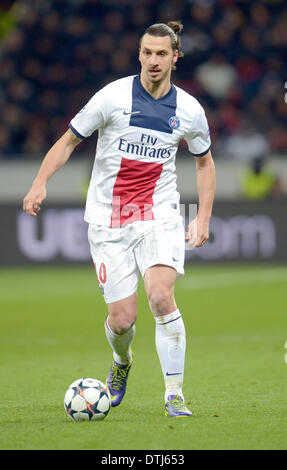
[(132, 204)]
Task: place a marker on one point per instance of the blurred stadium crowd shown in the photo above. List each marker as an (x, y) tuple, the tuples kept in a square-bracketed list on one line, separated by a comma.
[(54, 55)]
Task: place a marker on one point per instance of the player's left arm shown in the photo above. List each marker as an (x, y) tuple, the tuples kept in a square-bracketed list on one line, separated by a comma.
[(198, 229)]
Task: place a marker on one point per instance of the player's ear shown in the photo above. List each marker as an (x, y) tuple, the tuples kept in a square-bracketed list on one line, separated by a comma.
[(175, 57)]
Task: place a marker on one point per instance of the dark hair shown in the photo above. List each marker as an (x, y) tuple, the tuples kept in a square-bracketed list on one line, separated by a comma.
[(171, 29)]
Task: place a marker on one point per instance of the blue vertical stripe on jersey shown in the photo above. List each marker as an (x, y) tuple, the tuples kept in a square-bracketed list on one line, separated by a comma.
[(154, 113)]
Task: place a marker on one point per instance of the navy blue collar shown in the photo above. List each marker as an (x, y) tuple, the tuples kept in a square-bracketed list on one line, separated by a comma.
[(151, 113), (142, 90)]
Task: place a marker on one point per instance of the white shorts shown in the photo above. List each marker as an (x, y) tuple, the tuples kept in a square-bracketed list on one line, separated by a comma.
[(119, 254)]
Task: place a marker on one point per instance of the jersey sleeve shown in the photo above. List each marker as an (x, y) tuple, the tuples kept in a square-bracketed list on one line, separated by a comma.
[(91, 117), (198, 139)]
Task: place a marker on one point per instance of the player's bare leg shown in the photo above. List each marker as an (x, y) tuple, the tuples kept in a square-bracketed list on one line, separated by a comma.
[(159, 283), (123, 314), (120, 330), (170, 335)]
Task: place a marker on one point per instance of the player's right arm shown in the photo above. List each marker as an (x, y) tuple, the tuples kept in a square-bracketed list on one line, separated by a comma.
[(56, 157)]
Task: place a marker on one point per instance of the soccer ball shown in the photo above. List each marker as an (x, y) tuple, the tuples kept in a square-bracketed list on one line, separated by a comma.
[(87, 399)]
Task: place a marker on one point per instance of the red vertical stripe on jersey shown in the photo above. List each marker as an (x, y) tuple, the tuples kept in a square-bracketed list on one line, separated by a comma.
[(133, 191)]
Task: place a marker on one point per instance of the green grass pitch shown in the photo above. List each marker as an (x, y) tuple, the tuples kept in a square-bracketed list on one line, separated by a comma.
[(52, 333)]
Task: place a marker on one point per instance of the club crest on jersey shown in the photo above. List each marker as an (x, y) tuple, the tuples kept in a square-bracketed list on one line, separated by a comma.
[(174, 122)]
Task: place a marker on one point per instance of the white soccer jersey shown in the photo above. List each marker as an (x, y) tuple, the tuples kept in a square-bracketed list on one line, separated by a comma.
[(133, 176)]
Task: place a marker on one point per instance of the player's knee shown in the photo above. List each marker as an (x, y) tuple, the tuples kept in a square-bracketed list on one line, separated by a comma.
[(121, 322), (161, 301), (123, 327)]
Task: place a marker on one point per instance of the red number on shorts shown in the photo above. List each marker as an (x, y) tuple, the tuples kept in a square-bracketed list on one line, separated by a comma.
[(96, 272), (103, 273)]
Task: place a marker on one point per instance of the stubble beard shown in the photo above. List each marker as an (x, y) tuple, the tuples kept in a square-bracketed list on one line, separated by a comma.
[(158, 79)]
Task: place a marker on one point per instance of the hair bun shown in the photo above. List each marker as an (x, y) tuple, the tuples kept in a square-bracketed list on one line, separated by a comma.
[(176, 26)]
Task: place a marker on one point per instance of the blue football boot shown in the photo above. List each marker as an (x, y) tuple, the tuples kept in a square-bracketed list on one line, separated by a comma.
[(117, 382), (175, 407)]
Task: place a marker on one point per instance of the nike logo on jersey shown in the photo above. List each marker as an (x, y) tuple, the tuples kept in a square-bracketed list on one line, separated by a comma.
[(176, 373), (131, 112)]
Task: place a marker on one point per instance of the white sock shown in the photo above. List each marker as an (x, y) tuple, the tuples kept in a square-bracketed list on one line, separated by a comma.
[(120, 344), (170, 345)]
